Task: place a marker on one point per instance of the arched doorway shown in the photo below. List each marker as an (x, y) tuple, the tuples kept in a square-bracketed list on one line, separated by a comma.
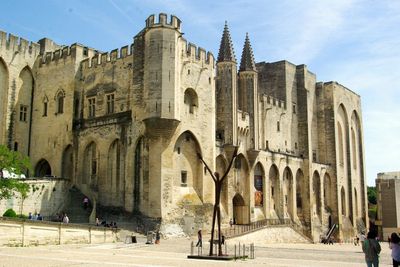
[(288, 192), (90, 167), (67, 163), (240, 210), (258, 185), (113, 182), (275, 190), (43, 168), (302, 196), (317, 194)]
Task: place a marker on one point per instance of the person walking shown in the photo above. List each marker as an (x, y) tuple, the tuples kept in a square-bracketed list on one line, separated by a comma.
[(371, 249), (394, 245), (200, 239), (65, 218)]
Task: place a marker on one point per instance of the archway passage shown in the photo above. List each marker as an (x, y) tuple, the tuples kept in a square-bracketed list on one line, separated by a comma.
[(275, 190), (43, 169), (240, 210), (67, 162), (259, 186)]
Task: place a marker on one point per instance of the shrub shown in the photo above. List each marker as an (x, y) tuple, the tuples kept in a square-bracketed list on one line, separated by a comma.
[(10, 213)]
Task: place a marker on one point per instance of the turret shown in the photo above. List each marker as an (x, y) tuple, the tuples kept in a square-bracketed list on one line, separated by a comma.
[(226, 95), (247, 93)]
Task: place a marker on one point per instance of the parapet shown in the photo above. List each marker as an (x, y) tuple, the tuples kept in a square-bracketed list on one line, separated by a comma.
[(103, 58), (65, 52), (173, 23), (15, 43), (197, 53)]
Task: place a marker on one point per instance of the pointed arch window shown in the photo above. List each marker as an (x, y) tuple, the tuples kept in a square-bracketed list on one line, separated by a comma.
[(45, 106), (60, 101)]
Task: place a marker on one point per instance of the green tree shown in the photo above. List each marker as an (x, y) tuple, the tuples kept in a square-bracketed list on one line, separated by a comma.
[(13, 162), (371, 192)]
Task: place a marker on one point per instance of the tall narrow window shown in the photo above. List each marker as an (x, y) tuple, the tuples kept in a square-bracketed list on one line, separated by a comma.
[(278, 126), (60, 102), (184, 178), (110, 103), (92, 107), (44, 109), (23, 112)]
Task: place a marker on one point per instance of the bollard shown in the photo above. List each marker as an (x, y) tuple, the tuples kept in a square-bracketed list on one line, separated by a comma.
[(244, 250), (235, 252), (239, 249), (191, 248)]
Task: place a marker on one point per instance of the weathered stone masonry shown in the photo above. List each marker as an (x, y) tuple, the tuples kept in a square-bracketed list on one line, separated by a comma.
[(125, 127)]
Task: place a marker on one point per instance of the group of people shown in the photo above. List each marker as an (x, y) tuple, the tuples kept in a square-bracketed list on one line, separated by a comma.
[(106, 224), (35, 216), (372, 249)]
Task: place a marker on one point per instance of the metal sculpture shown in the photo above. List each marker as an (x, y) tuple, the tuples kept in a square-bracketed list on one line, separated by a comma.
[(218, 187)]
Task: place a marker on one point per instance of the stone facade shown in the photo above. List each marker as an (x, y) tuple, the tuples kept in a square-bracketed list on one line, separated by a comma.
[(388, 203), (126, 126)]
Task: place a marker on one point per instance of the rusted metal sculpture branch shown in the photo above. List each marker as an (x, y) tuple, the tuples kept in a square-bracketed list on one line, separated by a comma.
[(218, 187)]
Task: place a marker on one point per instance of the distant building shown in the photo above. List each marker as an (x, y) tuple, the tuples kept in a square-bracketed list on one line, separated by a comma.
[(125, 127), (388, 203)]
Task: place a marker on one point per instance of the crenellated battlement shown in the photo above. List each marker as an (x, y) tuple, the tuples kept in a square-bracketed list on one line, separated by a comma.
[(174, 22), (197, 53), (15, 43), (66, 52), (103, 58)]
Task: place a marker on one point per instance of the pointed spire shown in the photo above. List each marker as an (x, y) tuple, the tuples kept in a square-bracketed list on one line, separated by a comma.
[(226, 52), (247, 62)]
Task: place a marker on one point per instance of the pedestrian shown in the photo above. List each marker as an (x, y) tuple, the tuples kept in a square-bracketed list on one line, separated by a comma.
[(222, 240), (85, 202), (30, 216), (371, 249), (199, 239), (65, 218), (230, 222), (158, 237), (97, 222), (394, 245), (39, 217)]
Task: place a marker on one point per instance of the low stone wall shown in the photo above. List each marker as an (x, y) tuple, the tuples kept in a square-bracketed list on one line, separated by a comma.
[(46, 196), (14, 232)]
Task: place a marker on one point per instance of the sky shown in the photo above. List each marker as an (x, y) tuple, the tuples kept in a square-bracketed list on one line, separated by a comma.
[(353, 42)]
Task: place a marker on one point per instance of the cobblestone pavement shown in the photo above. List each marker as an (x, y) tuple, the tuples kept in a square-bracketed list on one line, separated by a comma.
[(174, 252)]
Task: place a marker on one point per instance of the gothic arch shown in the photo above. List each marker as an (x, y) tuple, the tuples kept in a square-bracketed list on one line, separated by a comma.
[(317, 194), (328, 193), (302, 196), (240, 210), (3, 99), (42, 168), (67, 163), (60, 99), (241, 169), (21, 121), (259, 178), (288, 192), (190, 100), (186, 163), (113, 182), (90, 165), (274, 199)]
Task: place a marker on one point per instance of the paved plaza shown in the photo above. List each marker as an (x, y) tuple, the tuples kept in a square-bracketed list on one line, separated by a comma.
[(173, 252)]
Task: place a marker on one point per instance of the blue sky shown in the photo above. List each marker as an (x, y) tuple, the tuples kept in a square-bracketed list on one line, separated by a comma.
[(354, 42)]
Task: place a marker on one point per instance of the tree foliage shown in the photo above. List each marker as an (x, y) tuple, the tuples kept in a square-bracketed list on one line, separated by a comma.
[(371, 192), (13, 162)]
